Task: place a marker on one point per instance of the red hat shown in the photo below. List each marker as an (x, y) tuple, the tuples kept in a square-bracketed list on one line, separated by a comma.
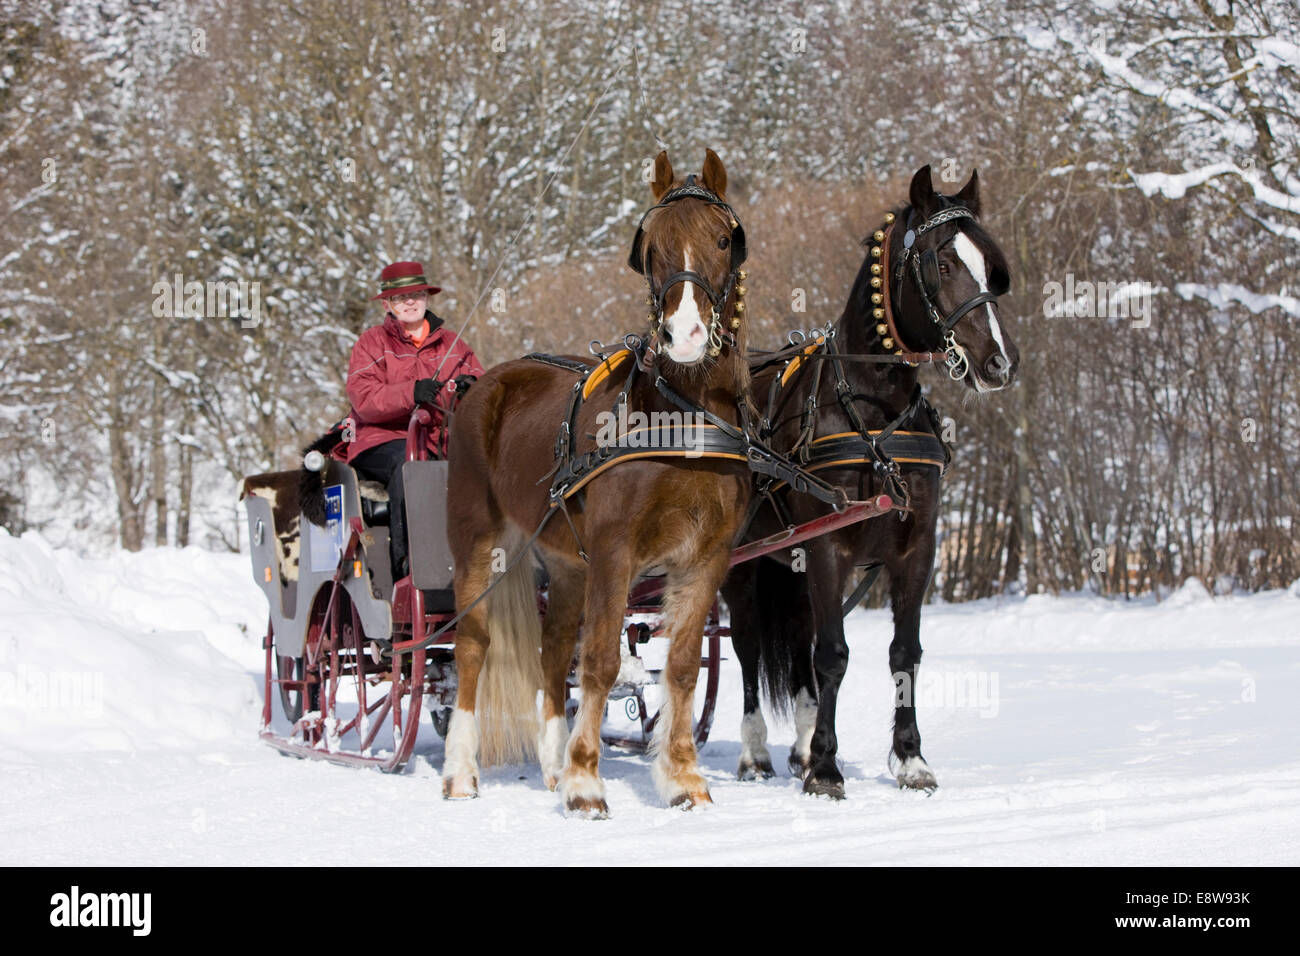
[(403, 277)]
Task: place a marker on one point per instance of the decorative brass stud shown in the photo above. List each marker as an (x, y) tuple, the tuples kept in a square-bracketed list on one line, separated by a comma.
[(882, 329), (877, 314), (889, 217), (888, 343), (877, 298), (875, 252), (879, 236), (875, 268), (875, 282)]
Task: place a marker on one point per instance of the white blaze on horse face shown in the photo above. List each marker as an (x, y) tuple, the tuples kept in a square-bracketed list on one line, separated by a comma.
[(974, 263), (686, 326)]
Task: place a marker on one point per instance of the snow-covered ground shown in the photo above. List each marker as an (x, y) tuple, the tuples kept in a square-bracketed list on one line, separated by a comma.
[(1062, 730)]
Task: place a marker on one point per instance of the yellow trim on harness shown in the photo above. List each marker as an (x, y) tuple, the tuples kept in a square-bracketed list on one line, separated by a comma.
[(797, 361), (651, 453), (863, 459), (870, 431), (601, 371)]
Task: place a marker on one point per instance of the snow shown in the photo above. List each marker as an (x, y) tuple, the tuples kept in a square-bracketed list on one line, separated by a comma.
[(1063, 730), (1221, 295)]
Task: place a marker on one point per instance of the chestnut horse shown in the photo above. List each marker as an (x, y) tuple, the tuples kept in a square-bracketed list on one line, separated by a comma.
[(679, 514), (930, 282)]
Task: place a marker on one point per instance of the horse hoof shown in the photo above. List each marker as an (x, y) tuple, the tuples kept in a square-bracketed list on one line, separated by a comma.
[(451, 790), (799, 765), (825, 785), (588, 808), (915, 774), (551, 782), (699, 798), (755, 770)]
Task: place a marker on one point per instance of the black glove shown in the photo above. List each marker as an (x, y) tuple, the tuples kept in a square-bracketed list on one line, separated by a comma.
[(426, 390), (463, 382)]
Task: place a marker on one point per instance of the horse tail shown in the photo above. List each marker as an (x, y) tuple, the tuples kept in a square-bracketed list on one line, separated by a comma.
[(785, 632), (311, 490), (506, 704)]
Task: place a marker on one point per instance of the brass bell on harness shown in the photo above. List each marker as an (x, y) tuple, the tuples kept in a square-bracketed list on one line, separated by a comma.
[(875, 282), (741, 290), (875, 268), (888, 343), (889, 217), (735, 322), (879, 236), (742, 275), (650, 317), (877, 298), (740, 307), (881, 329), (875, 252), (877, 314)]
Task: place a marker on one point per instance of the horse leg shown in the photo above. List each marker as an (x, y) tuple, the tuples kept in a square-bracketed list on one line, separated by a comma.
[(559, 637), (907, 590), (830, 661), (805, 695), (746, 641), (604, 604), (691, 593), (797, 632), (460, 765)]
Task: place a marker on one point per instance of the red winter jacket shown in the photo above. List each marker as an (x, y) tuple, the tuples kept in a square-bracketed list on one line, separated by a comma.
[(382, 375)]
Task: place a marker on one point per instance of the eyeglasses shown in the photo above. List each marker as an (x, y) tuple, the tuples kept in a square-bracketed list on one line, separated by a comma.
[(409, 297)]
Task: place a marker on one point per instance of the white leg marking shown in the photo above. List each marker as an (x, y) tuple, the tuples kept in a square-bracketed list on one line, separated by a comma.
[(574, 786), (753, 740), (686, 326), (550, 749), (669, 789), (805, 722), (460, 766), (916, 774)]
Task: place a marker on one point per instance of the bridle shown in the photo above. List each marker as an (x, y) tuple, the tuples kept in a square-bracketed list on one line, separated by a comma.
[(924, 270), (638, 260)]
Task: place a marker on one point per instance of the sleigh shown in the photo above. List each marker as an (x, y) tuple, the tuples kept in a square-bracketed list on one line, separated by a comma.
[(355, 658)]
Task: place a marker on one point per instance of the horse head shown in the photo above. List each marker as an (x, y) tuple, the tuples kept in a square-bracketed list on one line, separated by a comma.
[(690, 247), (945, 274)]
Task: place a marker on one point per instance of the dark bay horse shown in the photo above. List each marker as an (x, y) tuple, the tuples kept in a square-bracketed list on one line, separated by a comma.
[(926, 291), (680, 514)]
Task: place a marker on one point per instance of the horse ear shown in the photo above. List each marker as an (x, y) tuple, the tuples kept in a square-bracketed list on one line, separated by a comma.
[(921, 193), (663, 175), (715, 174), (970, 193)]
